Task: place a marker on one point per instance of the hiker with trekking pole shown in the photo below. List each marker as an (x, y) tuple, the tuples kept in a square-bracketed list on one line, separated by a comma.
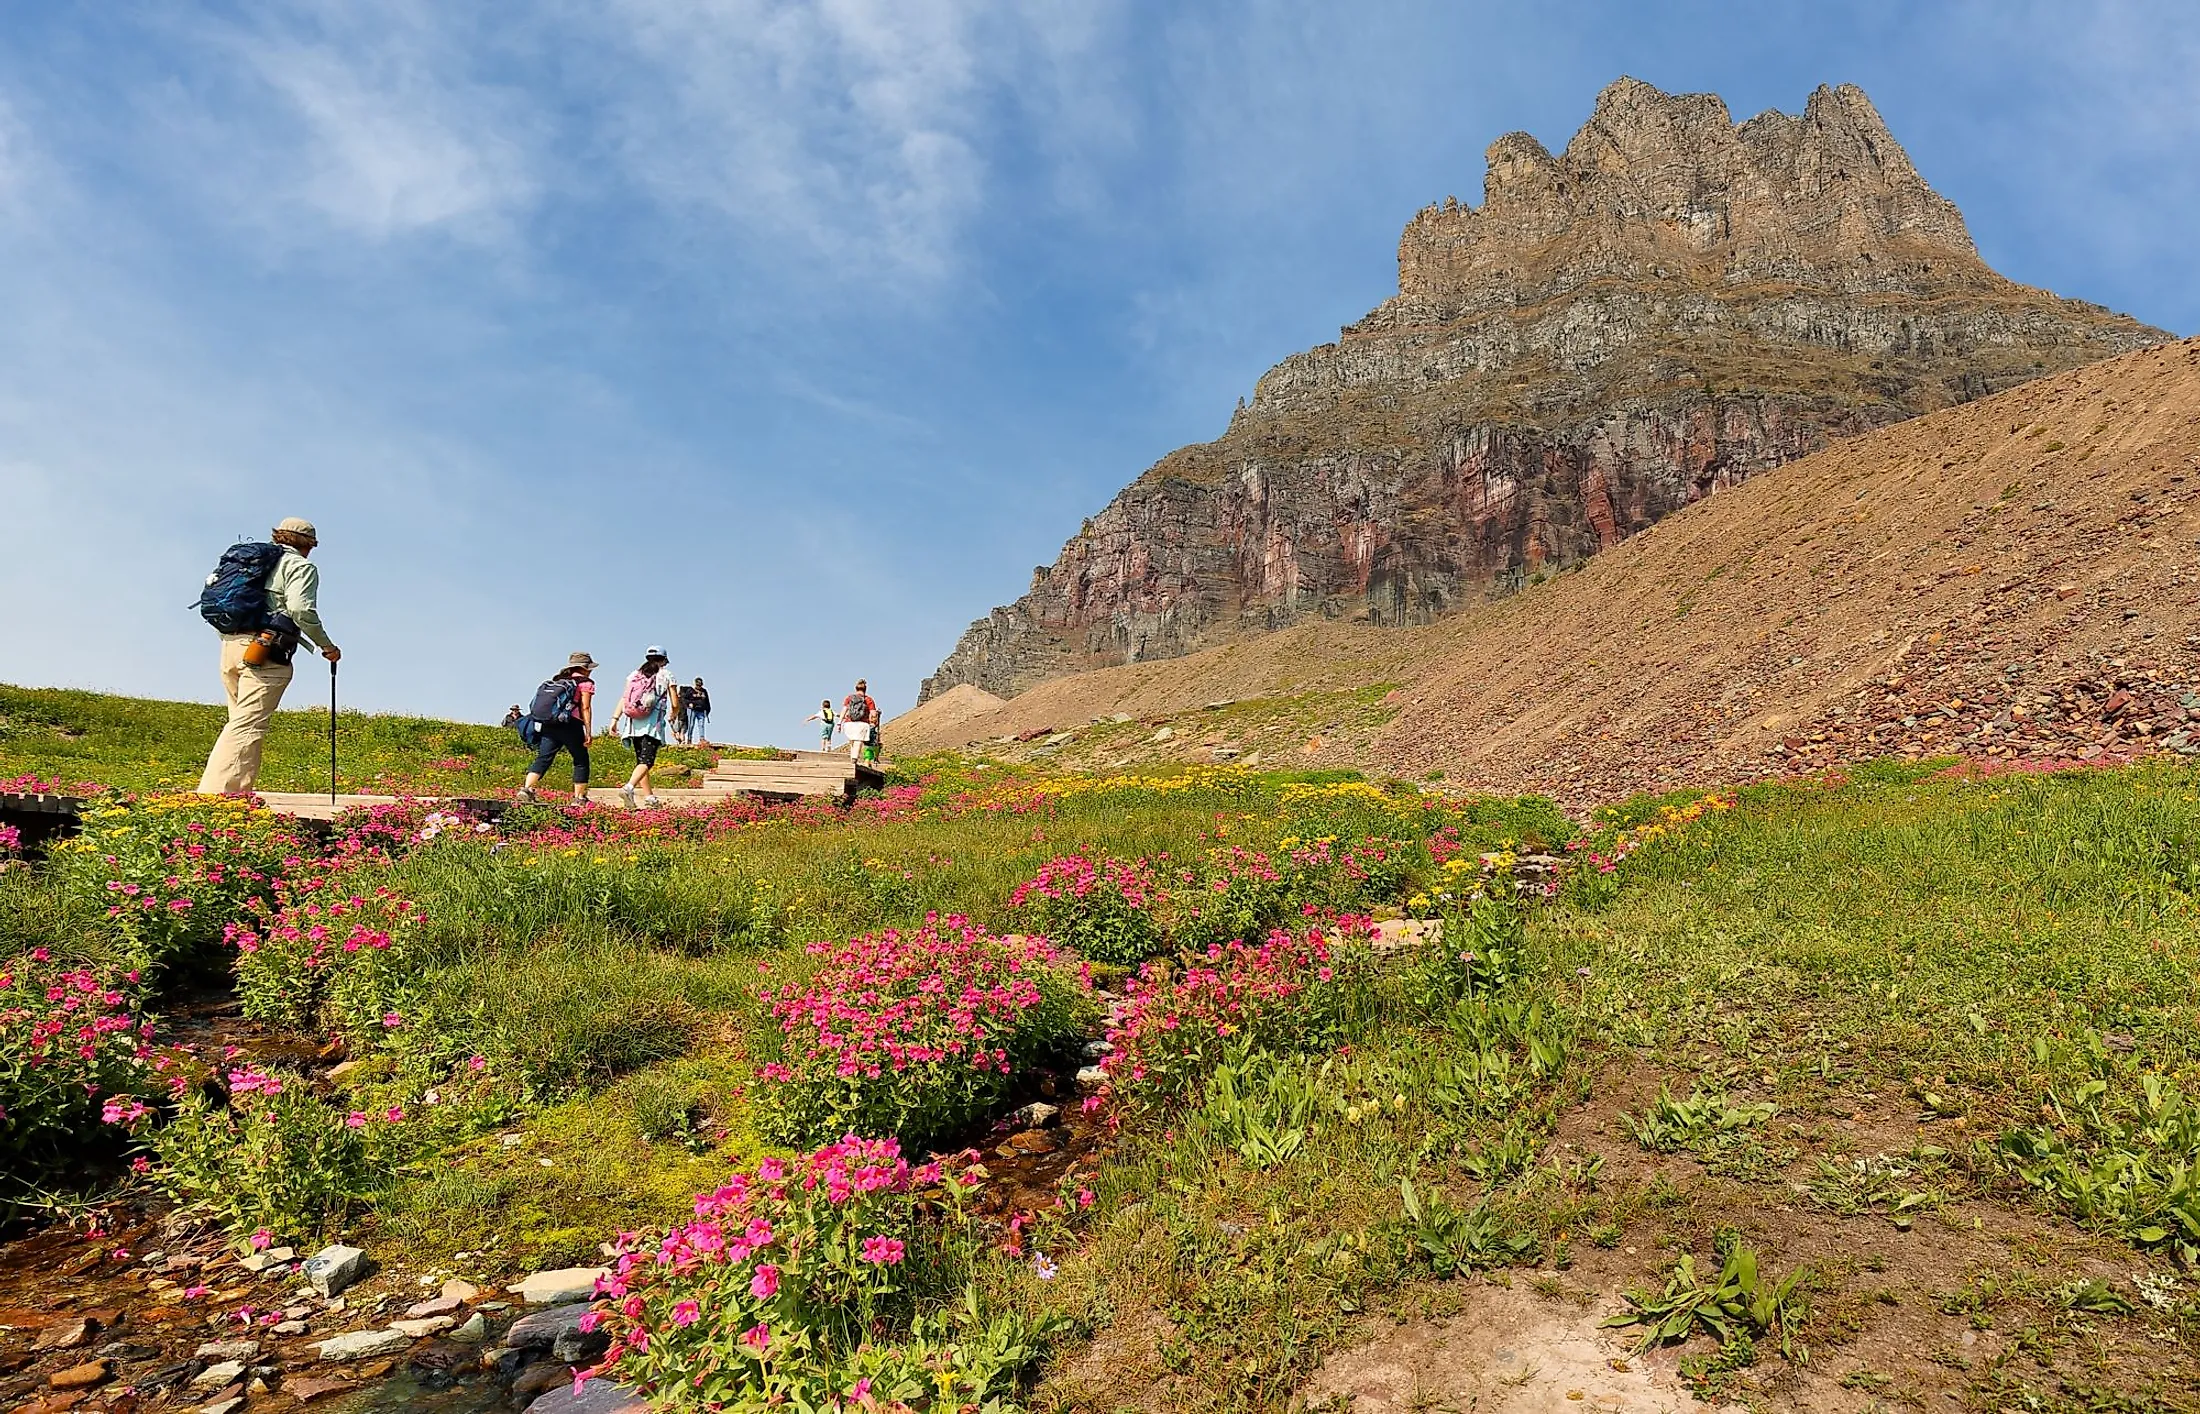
[(262, 598)]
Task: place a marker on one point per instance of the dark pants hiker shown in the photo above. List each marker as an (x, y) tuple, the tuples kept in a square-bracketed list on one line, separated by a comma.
[(550, 738)]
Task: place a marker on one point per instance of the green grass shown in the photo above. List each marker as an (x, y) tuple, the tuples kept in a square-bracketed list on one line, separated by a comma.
[(1852, 992)]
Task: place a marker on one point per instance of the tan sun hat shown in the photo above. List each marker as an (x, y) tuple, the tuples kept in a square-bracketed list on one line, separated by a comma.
[(579, 660), (300, 528)]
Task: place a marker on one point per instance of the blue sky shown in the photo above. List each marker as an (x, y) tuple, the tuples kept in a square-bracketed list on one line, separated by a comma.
[(792, 335)]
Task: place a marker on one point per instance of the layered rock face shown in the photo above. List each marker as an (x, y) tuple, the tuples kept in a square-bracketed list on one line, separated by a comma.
[(1670, 305)]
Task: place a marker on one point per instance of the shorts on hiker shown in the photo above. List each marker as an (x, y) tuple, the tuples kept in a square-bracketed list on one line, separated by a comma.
[(645, 749), (552, 737)]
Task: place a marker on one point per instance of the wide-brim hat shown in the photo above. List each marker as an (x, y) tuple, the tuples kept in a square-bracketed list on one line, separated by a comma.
[(579, 660), (303, 529)]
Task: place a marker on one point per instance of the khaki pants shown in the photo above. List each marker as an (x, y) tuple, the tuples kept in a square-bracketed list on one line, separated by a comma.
[(254, 694)]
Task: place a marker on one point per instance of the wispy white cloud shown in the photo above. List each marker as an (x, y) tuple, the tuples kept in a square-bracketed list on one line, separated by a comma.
[(377, 124), (391, 149), (851, 137)]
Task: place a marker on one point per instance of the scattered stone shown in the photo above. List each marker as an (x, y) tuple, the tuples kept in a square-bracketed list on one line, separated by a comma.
[(83, 1376), (289, 1328), (229, 1350), (556, 1288), (361, 1345), (422, 1328), (66, 1335), (475, 1331), (377, 1369), (1030, 1141), (334, 1268), (270, 1260), (496, 1305), (539, 1330), (1092, 1077), (258, 1385), (595, 1397), (230, 1405), (436, 1306), (343, 1068), (458, 1290), (228, 1372), (1163, 734), (1036, 1115), (305, 1391), (1096, 1049)]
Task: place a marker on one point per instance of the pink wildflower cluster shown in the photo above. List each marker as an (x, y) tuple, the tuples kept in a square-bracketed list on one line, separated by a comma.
[(1334, 873), (1107, 909), (785, 1282), (1072, 877), (70, 1050), (175, 869), (1288, 992), (289, 951), (11, 839), (914, 1033)]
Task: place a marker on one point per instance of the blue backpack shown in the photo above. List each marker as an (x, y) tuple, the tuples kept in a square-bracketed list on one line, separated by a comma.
[(235, 597), (557, 700)]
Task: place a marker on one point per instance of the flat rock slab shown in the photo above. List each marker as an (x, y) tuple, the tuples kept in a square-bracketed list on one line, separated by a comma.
[(425, 1326), (539, 1330), (433, 1306), (561, 1286), (66, 1335), (83, 1376), (228, 1372), (1508, 1352), (229, 1350), (363, 1345), (596, 1397)]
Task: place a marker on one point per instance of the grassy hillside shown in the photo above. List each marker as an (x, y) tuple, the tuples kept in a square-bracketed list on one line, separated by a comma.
[(1859, 1091), (141, 744)]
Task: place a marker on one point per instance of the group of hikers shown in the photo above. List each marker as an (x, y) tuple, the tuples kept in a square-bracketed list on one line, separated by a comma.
[(690, 715), (263, 598)]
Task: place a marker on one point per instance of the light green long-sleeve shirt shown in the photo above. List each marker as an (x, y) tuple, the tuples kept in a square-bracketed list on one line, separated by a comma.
[(295, 589)]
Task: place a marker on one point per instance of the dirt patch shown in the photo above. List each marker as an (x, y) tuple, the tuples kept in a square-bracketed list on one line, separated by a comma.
[(1508, 1352), (945, 716)]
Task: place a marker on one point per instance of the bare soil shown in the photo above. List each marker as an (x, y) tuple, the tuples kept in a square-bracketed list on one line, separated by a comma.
[(2009, 579)]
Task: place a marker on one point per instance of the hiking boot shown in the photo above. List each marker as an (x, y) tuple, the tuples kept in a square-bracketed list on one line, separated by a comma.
[(626, 793), (525, 795)]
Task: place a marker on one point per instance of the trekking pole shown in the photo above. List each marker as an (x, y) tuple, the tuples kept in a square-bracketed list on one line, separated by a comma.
[(332, 731)]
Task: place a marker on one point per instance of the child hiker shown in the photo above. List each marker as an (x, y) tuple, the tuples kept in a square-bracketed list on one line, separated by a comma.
[(562, 718), (823, 716), (646, 706)]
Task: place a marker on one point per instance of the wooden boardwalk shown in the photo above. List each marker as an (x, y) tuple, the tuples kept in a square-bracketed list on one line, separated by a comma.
[(796, 775)]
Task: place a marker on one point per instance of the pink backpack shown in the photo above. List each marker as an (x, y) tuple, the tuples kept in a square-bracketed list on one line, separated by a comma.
[(641, 696)]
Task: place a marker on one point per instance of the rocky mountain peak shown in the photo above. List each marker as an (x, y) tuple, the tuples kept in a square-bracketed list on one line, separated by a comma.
[(1666, 189), (1671, 304)]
